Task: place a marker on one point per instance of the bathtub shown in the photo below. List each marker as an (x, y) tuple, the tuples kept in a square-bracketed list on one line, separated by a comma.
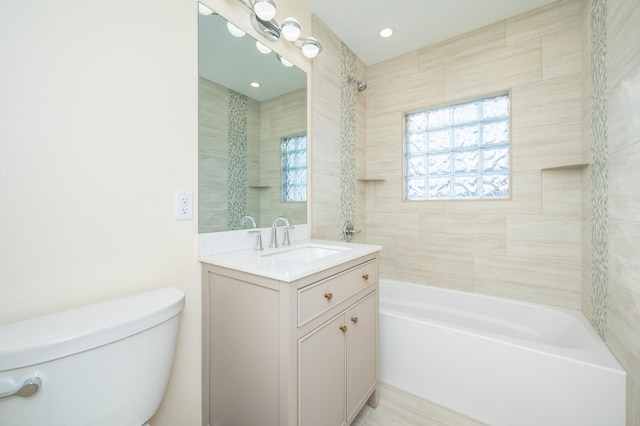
[(499, 361)]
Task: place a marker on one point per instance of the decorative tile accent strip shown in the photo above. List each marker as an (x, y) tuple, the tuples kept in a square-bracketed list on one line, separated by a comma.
[(599, 167), (237, 176), (347, 136)]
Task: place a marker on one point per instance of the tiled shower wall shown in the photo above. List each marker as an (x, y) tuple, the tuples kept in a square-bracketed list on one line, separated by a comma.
[(623, 160), (338, 129), (529, 247)]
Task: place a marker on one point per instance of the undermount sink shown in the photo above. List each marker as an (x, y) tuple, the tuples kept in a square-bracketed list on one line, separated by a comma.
[(301, 254)]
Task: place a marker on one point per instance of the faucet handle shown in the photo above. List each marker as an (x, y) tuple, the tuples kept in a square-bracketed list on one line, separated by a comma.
[(349, 231), (258, 246)]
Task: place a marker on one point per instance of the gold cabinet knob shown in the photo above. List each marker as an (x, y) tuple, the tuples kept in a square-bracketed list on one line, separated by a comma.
[(354, 320), (365, 276), (328, 296), (343, 328)]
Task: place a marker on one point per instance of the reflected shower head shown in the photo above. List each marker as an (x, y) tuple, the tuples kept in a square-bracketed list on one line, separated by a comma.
[(360, 85)]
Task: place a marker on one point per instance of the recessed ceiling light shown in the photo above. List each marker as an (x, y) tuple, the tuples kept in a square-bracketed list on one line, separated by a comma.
[(386, 32), (254, 84)]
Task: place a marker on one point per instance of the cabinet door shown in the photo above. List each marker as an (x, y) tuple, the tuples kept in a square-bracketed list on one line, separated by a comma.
[(321, 375), (362, 351)]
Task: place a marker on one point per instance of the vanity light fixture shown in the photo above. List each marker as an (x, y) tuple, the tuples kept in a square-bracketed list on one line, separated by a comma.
[(262, 17)]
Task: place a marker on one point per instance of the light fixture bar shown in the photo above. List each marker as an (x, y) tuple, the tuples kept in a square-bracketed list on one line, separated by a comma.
[(262, 19)]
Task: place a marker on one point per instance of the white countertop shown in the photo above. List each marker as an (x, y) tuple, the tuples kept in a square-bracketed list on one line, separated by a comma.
[(266, 263)]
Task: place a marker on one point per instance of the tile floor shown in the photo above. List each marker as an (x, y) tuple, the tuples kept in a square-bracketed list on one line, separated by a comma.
[(399, 408)]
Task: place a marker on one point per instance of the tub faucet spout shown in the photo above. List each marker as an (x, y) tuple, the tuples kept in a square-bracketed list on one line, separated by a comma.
[(274, 236)]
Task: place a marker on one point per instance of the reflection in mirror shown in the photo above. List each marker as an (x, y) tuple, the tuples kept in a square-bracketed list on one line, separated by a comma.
[(252, 140)]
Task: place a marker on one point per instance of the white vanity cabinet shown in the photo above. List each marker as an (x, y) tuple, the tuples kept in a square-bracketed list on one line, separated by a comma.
[(301, 352)]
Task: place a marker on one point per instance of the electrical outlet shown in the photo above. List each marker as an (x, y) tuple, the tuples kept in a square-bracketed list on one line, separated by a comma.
[(184, 205)]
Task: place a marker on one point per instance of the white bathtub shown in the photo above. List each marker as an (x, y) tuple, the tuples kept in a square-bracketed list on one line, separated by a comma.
[(499, 361)]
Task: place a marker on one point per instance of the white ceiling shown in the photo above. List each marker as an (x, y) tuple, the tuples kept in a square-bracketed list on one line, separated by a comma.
[(416, 23)]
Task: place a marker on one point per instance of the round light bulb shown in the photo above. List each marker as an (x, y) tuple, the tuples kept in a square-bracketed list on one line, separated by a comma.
[(311, 47), (262, 48), (254, 84), (265, 9), (204, 10), (291, 29), (284, 61), (235, 31)]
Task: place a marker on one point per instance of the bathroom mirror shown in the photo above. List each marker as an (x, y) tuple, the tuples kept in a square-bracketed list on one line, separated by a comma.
[(244, 130)]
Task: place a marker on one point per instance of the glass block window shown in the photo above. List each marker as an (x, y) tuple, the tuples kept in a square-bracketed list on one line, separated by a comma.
[(294, 168), (458, 151)]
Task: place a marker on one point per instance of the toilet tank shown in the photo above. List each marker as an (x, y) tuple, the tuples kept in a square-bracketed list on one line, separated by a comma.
[(105, 364)]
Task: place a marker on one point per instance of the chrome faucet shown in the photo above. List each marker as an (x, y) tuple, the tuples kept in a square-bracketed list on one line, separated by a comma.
[(249, 219), (258, 234), (274, 235)]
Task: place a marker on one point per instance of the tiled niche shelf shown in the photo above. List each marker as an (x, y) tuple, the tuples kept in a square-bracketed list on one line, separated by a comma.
[(371, 180), (575, 166)]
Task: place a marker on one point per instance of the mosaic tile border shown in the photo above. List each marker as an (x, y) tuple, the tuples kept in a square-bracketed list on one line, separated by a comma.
[(347, 136), (599, 167), (237, 173)]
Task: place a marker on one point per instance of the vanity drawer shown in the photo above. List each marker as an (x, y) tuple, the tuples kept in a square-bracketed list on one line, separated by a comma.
[(319, 297)]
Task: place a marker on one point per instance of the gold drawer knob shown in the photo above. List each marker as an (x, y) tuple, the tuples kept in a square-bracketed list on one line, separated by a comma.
[(343, 328), (365, 276), (328, 296), (354, 320)]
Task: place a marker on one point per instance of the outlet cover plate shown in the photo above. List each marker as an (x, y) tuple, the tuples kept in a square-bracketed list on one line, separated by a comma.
[(184, 205)]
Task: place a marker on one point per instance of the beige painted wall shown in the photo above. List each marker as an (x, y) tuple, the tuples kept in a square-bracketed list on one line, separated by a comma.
[(99, 128), (528, 247), (623, 99)]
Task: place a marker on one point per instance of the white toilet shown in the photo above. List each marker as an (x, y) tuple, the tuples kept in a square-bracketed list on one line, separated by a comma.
[(106, 364)]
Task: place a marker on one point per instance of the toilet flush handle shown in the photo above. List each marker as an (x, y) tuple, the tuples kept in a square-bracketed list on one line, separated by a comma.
[(29, 388)]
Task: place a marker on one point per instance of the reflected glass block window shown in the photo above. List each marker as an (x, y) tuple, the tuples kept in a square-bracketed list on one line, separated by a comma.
[(294, 168), (458, 151)]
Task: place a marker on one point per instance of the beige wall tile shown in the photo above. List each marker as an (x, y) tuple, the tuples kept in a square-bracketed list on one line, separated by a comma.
[(551, 19), (541, 280), (548, 102), (548, 145), (559, 55), (492, 72), (463, 233), (481, 41), (562, 192), (439, 269), (544, 237)]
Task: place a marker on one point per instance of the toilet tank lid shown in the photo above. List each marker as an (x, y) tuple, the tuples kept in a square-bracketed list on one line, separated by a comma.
[(64, 333)]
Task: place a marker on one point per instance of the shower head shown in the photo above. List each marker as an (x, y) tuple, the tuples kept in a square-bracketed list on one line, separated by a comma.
[(360, 85)]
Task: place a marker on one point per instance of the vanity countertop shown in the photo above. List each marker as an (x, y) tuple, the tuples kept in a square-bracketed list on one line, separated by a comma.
[(290, 263)]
